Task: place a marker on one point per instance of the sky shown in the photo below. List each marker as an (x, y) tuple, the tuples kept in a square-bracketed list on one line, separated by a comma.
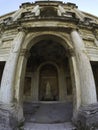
[(90, 6)]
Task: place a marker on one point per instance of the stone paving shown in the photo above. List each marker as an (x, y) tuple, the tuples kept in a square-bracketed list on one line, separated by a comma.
[(58, 126), (48, 112), (48, 116)]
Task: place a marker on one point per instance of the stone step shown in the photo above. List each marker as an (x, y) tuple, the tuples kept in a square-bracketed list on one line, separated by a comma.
[(58, 126), (48, 112)]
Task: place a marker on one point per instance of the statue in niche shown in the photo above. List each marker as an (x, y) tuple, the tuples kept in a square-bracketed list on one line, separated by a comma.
[(48, 93)]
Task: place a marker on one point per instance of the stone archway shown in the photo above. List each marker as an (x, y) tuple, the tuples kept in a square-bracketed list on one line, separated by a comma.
[(49, 79), (48, 51)]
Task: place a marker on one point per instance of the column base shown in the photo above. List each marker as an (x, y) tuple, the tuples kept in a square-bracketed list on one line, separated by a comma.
[(8, 118), (87, 117)]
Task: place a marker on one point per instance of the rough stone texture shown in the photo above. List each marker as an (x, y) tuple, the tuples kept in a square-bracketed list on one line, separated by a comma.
[(87, 84), (7, 120), (87, 117), (48, 112), (52, 20), (9, 117), (7, 83), (60, 126)]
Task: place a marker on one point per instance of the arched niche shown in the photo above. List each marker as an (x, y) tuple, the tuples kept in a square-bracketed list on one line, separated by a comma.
[(55, 49), (48, 83), (48, 51)]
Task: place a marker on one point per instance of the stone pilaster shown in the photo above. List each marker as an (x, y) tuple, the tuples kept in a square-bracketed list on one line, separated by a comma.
[(8, 104)]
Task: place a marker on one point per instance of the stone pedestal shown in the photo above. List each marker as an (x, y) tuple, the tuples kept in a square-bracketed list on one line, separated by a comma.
[(87, 117), (9, 118)]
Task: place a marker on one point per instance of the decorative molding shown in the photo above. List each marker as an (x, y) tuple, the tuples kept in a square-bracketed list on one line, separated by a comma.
[(25, 53), (22, 29)]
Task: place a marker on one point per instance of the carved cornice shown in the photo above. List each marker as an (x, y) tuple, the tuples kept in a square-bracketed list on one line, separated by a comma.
[(76, 22), (56, 29), (58, 18), (20, 23), (95, 32), (87, 25), (22, 29), (5, 26), (84, 25), (40, 29), (72, 5), (2, 29), (24, 5), (46, 3)]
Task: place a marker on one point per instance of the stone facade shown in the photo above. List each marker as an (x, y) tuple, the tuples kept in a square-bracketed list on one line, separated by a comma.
[(49, 52)]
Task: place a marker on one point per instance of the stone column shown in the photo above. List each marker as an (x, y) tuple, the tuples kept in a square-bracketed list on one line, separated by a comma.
[(75, 84), (20, 75), (8, 78), (0, 42), (9, 108), (87, 84), (19, 82)]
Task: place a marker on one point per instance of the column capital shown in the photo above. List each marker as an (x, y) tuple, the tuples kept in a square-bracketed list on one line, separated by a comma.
[(75, 29), (25, 53), (22, 29), (70, 52)]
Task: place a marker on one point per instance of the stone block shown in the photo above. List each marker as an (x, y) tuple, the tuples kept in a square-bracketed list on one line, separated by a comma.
[(8, 119), (87, 117)]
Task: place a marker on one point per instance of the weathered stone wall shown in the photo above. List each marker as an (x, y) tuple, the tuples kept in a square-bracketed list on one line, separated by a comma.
[(22, 29)]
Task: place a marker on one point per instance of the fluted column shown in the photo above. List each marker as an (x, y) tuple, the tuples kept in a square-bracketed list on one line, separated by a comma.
[(8, 78), (87, 84)]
